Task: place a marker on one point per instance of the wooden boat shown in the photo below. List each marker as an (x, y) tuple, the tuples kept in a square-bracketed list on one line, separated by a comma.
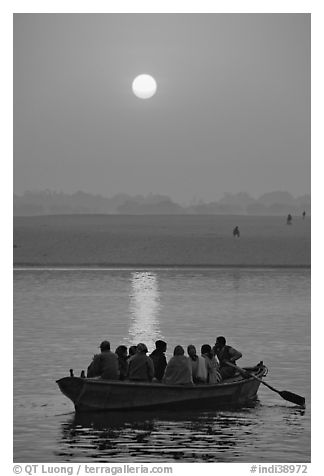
[(92, 394)]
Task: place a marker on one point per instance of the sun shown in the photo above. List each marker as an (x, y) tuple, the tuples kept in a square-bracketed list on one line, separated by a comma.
[(144, 86)]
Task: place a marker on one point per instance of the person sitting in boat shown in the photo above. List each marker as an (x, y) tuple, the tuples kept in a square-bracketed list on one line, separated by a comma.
[(159, 359), (212, 366), (105, 364), (197, 364), (121, 353), (178, 369), (226, 353), (140, 366), (131, 351)]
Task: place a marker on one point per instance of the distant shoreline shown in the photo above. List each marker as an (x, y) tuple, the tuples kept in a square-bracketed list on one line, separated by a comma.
[(131, 266), (119, 241)]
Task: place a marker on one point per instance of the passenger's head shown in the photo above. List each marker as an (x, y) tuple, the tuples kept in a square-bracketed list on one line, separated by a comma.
[(141, 348), (206, 350), (191, 349), (132, 350), (178, 350), (161, 345), (104, 346), (220, 342), (121, 351)]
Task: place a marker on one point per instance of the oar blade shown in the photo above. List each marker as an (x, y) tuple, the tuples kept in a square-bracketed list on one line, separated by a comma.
[(293, 398)]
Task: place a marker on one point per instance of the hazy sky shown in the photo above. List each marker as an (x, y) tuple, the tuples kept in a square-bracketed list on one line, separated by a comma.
[(231, 112)]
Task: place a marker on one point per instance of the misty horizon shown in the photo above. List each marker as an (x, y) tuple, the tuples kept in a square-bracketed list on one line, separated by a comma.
[(193, 199), (51, 202)]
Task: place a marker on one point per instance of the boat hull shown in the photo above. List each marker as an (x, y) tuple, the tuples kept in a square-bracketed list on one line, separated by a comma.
[(98, 394)]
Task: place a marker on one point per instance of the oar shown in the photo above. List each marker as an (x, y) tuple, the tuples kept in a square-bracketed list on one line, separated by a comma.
[(289, 396)]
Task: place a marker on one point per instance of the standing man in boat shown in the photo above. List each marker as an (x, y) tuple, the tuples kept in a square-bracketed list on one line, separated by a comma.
[(105, 364), (226, 353), (159, 359)]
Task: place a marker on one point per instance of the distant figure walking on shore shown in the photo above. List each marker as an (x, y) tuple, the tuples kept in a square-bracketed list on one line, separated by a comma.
[(289, 219), (236, 232), (304, 214)]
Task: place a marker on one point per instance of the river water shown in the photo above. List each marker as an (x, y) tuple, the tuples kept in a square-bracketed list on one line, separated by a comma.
[(61, 316)]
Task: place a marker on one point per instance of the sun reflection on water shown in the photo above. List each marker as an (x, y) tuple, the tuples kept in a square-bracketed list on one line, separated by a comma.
[(144, 309)]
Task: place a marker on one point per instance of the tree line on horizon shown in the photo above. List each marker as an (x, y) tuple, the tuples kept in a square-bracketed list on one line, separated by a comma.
[(49, 202)]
